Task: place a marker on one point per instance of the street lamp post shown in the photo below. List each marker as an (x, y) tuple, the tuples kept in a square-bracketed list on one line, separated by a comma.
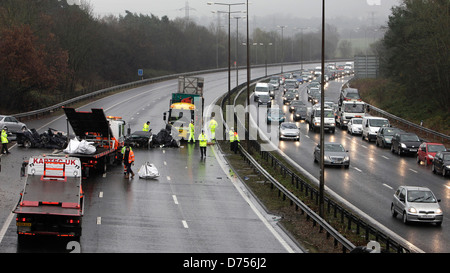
[(282, 47), (237, 46), (229, 42), (322, 119)]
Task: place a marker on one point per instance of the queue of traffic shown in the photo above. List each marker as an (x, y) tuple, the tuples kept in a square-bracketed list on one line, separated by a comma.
[(350, 114)]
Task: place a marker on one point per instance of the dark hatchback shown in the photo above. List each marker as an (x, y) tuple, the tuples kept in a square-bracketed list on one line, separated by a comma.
[(405, 143), (299, 112), (265, 100), (385, 135), (441, 163)]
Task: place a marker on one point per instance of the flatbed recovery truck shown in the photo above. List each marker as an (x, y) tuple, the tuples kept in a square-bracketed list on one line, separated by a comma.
[(106, 133), (51, 202)]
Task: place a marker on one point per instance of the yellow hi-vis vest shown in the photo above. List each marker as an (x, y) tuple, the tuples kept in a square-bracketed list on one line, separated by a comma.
[(4, 137), (146, 127), (203, 140)]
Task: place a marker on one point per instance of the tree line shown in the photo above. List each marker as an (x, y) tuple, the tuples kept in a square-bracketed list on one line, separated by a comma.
[(415, 54), (51, 51)]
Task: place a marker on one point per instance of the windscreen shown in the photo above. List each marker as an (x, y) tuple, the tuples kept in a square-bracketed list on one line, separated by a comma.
[(354, 108)]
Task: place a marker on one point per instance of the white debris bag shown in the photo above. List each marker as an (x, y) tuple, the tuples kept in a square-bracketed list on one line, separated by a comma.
[(80, 147), (148, 171)]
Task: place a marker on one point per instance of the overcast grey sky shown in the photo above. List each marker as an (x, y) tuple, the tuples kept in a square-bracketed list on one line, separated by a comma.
[(199, 9)]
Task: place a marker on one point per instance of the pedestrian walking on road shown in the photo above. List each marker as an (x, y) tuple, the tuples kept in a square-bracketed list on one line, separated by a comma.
[(235, 142), (212, 128), (191, 131), (231, 137), (203, 141), (4, 138), (128, 160)]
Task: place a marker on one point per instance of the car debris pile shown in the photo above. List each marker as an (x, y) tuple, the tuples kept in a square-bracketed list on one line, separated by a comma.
[(51, 139)]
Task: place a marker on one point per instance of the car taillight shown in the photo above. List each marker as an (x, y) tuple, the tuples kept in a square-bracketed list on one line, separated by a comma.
[(23, 219)]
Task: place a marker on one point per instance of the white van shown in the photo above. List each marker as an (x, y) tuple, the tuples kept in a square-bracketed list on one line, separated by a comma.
[(371, 125), (261, 88)]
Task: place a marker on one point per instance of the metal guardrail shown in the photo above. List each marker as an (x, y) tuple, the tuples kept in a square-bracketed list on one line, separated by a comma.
[(349, 219), (423, 130), (338, 238), (50, 109)]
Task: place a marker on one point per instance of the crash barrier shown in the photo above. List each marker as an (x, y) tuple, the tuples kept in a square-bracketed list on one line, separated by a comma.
[(425, 133), (429, 134), (351, 221), (50, 109)]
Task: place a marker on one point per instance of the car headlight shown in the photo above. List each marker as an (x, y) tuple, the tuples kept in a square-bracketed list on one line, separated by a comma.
[(447, 166), (412, 210), (347, 158), (403, 145), (332, 124), (438, 211)]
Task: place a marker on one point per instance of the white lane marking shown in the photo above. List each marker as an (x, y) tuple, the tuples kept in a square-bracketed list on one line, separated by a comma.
[(168, 178), (357, 169), (385, 157), (185, 225), (414, 171), (99, 220), (175, 200), (386, 185), (5, 226), (165, 163), (100, 194), (364, 146)]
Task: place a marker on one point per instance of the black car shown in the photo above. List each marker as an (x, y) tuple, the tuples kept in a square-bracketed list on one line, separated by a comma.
[(405, 143), (288, 97), (385, 135), (295, 103), (300, 112), (139, 139), (265, 99), (441, 163)]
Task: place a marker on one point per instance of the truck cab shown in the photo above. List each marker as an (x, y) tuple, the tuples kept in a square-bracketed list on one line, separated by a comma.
[(185, 106), (313, 119), (348, 110)]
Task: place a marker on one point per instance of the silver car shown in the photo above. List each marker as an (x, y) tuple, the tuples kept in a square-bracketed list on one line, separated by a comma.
[(289, 130), (11, 123), (334, 154), (416, 204)]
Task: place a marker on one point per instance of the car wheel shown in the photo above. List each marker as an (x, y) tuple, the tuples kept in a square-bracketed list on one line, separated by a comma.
[(27, 144), (393, 212), (443, 172), (382, 144), (433, 169), (405, 218)]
